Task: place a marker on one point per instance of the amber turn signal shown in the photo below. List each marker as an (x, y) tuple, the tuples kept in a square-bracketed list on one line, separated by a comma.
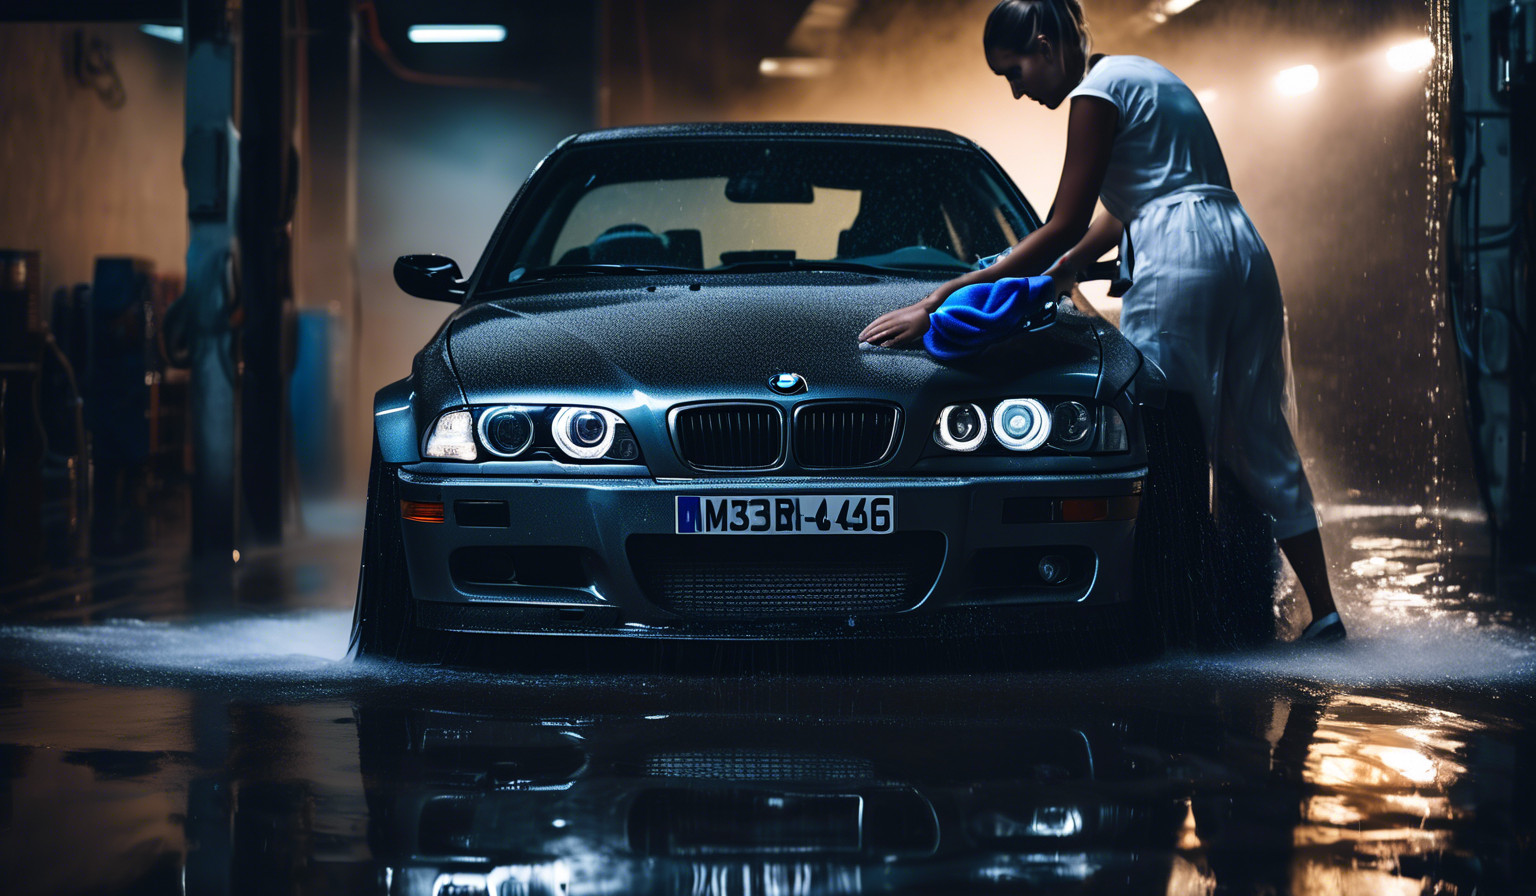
[(1092, 510), (421, 511)]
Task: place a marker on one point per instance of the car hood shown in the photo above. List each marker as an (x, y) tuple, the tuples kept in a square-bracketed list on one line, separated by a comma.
[(723, 335)]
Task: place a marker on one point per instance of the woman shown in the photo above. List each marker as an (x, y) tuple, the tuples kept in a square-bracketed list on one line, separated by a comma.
[(1205, 304)]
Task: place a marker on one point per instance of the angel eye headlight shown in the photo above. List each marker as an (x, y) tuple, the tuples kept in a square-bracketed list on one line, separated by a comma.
[(1071, 425), (584, 433), (452, 437), (961, 427), (506, 432), (1022, 424)]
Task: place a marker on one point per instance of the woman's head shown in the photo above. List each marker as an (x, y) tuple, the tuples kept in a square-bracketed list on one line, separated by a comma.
[(1040, 46)]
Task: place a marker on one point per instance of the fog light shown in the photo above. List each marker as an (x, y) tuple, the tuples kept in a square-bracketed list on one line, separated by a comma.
[(506, 432), (1071, 425), (1021, 424), (1054, 569), (584, 433), (961, 427)]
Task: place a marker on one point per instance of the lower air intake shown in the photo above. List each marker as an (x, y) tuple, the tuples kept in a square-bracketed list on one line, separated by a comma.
[(745, 577)]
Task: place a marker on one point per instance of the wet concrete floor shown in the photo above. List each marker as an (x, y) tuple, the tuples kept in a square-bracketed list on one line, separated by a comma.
[(162, 735)]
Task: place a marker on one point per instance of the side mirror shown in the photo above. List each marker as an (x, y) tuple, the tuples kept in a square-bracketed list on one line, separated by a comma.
[(430, 277)]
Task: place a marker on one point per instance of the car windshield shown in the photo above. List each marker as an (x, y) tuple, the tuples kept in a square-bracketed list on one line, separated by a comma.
[(732, 205)]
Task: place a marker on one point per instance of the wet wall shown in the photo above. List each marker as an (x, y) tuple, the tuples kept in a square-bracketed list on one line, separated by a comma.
[(90, 147), (437, 166)]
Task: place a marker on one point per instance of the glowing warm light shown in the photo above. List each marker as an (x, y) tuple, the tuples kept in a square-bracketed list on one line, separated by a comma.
[(1411, 764), (1174, 7), (235, 555), (1297, 81), (172, 33), (794, 67), (1412, 56), (1189, 834), (1207, 97), (456, 34)]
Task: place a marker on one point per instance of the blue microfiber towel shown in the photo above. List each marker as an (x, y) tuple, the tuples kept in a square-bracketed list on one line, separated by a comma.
[(976, 316)]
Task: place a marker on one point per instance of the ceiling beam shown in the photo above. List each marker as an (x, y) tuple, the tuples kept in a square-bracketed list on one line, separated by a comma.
[(90, 11)]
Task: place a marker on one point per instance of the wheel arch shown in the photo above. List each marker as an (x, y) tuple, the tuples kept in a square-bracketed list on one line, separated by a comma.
[(394, 423)]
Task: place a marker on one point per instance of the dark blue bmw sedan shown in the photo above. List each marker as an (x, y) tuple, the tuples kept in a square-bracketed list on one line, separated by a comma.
[(650, 416)]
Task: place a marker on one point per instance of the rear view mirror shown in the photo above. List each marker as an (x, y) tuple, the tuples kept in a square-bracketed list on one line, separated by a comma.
[(765, 187), (430, 277)]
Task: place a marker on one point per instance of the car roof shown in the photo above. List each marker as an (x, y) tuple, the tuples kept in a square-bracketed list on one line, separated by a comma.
[(773, 129)]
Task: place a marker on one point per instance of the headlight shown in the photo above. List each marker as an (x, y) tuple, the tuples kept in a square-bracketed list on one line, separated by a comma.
[(1022, 424), (506, 432), (452, 437), (1112, 436), (1071, 425), (961, 427), (584, 433)]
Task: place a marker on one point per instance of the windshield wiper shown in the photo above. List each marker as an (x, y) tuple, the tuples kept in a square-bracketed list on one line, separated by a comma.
[(552, 272), (798, 264), (587, 270)]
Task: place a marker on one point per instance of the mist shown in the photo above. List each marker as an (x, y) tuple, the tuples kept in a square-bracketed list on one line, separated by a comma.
[(1337, 181)]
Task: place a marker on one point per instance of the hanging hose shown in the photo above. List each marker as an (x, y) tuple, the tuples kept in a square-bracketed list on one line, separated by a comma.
[(79, 522)]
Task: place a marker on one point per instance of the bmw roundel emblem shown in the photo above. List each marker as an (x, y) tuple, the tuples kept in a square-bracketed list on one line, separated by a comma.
[(788, 384)]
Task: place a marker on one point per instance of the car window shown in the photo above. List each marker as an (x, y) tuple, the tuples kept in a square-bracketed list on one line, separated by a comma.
[(650, 220), (715, 205)]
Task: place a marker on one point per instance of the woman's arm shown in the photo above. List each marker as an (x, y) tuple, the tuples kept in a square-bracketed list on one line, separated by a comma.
[(1103, 234), (1090, 138)]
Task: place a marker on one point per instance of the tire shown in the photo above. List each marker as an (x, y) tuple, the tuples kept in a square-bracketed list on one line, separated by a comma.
[(1207, 580), (382, 620)]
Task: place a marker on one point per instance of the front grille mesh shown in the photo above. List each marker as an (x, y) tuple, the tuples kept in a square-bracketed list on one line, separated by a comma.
[(747, 577), (844, 434), (730, 436), (752, 765)]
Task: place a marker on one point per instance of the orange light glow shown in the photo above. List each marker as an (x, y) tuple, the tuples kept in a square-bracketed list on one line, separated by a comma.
[(421, 511)]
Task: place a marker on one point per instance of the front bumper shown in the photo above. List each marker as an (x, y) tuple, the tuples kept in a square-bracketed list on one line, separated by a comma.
[(599, 556)]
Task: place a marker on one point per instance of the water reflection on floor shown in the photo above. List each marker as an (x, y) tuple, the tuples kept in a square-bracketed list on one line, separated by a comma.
[(157, 736)]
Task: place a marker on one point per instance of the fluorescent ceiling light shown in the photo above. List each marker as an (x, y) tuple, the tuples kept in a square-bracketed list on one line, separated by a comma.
[(1412, 56), (1298, 80), (1174, 7), (456, 34), (795, 67), (172, 33)]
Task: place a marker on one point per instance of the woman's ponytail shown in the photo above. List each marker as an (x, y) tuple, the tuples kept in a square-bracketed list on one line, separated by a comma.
[(1016, 25)]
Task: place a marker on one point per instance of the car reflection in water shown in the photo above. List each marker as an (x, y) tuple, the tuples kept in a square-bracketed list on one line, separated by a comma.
[(467, 804)]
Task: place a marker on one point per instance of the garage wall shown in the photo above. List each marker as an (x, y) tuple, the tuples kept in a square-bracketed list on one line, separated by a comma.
[(91, 165), (437, 166)]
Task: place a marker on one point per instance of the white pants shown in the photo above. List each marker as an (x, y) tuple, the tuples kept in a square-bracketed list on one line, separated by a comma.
[(1205, 305)]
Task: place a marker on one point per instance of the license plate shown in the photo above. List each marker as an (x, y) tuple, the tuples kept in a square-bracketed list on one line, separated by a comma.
[(786, 515)]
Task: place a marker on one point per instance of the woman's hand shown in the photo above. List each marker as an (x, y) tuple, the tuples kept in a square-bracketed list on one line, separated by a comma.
[(1062, 280), (895, 328)]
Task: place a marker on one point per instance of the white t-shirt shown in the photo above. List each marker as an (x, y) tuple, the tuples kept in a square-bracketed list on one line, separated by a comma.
[(1163, 141)]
